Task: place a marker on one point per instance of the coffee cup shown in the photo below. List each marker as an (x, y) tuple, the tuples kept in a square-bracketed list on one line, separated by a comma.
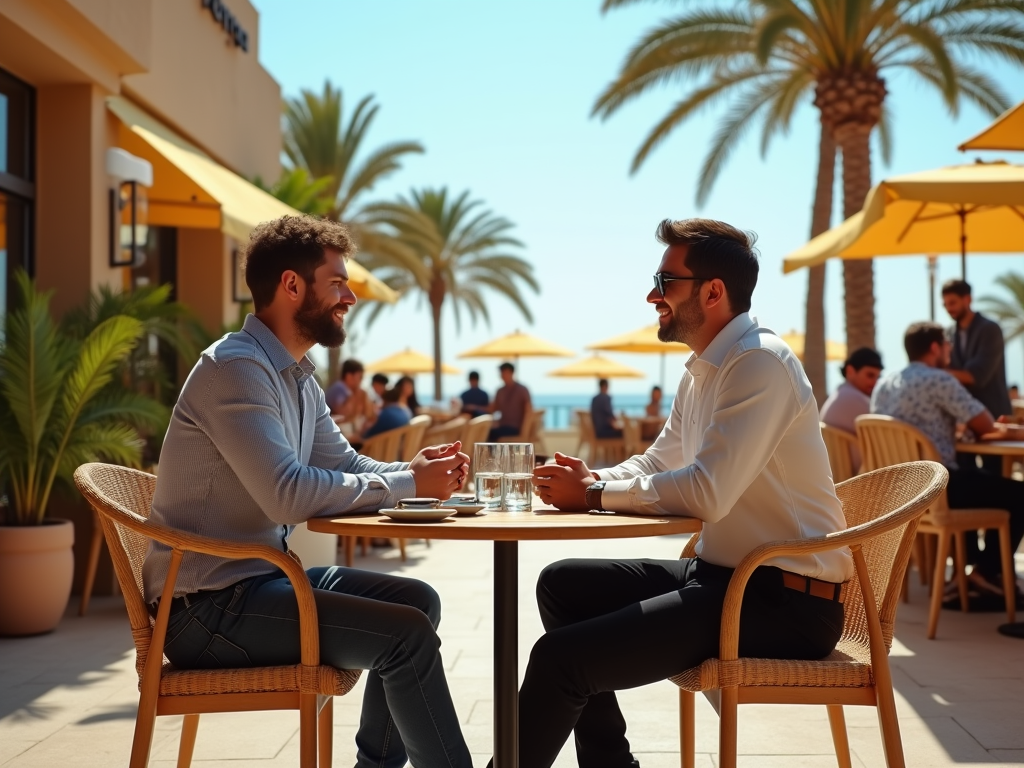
[(419, 502)]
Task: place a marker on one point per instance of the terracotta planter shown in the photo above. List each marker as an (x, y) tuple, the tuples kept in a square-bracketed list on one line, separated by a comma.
[(36, 568)]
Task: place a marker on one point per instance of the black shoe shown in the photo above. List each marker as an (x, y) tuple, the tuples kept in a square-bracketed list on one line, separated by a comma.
[(1013, 630)]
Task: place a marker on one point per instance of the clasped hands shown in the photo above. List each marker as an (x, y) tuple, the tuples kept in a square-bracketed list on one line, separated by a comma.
[(564, 483), (439, 470)]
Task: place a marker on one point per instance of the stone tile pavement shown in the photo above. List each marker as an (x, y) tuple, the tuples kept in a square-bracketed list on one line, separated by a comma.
[(68, 698)]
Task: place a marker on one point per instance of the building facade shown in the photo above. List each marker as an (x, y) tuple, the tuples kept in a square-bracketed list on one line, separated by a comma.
[(176, 84)]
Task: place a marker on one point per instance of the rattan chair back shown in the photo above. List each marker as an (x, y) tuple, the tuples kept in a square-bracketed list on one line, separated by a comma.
[(476, 431), (384, 446), (449, 432), (412, 440), (840, 444)]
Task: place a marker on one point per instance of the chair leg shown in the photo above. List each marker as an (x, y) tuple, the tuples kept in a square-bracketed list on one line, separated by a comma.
[(960, 569), (145, 723), (892, 744), (94, 561), (189, 729), (325, 733), (929, 546), (727, 727), (307, 730), (687, 741), (938, 581), (1009, 575), (837, 722), (350, 551), (364, 542), (401, 549)]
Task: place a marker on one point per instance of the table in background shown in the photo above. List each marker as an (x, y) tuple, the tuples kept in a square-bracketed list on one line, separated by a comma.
[(506, 530), (1010, 450)]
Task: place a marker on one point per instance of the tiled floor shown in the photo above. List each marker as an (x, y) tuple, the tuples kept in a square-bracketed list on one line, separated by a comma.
[(68, 698)]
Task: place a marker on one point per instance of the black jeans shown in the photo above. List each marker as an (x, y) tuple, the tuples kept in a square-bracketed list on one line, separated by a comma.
[(973, 488), (615, 624), (381, 623)]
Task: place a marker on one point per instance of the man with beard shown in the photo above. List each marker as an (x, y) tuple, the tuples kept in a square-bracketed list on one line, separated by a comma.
[(742, 452), (250, 453)]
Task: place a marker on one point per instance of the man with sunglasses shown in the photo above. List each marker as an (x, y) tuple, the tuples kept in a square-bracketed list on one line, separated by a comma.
[(742, 452)]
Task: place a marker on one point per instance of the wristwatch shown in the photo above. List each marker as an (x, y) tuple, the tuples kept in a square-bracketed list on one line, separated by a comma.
[(592, 496)]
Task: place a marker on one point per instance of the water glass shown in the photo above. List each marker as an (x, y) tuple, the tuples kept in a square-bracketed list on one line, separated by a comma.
[(488, 469), (517, 488)]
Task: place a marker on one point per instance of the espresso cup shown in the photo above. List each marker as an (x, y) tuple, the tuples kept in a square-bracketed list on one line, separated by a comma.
[(419, 502)]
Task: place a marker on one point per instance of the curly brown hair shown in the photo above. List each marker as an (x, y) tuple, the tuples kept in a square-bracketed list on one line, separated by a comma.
[(297, 243)]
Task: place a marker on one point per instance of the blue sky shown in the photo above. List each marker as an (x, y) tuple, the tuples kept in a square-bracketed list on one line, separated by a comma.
[(500, 94)]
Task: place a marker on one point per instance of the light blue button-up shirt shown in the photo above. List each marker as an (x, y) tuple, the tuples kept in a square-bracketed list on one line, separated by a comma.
[(250, 452)]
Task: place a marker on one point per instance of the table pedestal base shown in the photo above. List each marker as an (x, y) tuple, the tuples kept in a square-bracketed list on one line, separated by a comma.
[(506, 654)]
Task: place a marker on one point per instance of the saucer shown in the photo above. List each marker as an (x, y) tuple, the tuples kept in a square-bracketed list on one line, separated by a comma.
[(432, 515), (466, 508)]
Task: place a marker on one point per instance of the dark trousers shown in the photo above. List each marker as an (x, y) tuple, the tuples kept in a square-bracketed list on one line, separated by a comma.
[(616, 624), (381, 623), (502, 431), (972, 488)]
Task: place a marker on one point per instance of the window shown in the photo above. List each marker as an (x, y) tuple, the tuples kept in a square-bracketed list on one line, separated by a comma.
[(17, 177)]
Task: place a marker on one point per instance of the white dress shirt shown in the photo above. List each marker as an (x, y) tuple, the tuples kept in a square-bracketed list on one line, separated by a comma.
[(742, 451)]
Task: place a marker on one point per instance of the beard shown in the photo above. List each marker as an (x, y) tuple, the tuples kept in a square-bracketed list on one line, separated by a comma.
[(686, 320), (315, 322)]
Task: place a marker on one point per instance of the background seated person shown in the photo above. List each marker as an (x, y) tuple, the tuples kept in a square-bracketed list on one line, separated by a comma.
[(929, 398), (396, 412), (512, 402), (602, 414), (378, 385), (348, 400), (853, 397), (475, 401)]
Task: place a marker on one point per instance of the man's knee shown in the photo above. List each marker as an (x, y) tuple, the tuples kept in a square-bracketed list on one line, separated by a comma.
[(424, 598), (557, 582)]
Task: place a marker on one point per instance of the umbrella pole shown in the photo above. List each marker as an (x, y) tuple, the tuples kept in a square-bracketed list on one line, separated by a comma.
[(932, 265), (963, 242)]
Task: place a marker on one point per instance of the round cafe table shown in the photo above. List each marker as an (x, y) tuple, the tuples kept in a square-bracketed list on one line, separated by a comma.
[(506, 530)]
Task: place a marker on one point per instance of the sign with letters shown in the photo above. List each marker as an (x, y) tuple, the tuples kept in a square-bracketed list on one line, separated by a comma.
[(223, 16)]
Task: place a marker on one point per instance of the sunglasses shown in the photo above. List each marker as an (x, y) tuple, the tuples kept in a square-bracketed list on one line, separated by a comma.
[(660, 278)]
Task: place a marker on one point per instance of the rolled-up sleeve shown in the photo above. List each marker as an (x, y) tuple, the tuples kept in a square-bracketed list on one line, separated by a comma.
[(754, 405), (242, 416)]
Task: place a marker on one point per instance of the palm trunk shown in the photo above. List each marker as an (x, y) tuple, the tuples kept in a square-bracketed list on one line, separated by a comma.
[(821, 217), (854, 139), (438, 289)]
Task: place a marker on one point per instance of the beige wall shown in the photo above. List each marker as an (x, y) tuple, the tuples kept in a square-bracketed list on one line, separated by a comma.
[(212, 91), (204, 276), (72, 232)]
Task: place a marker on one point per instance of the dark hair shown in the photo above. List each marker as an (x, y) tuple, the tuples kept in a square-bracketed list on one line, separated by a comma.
[(507, 367), (602, 382), (474, 376), (655, 388), (919, 338), (351, 366), (290, 242), (960, 287), (379, 378), (716, 249), (391, 395), (865, 356)]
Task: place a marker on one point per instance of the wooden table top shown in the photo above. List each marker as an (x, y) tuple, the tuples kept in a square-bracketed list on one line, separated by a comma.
[(543, 523), (993, 447)]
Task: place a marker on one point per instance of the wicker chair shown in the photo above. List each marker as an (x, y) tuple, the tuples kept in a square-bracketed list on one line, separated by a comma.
[(632, 434), (882, 509), (601, 451), (412, 440), (886, 441), (122, 498), (449, 432), (476, 431), (840, 445)]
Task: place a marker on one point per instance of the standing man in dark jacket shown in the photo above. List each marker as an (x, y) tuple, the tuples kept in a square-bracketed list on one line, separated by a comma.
[(976, 360)]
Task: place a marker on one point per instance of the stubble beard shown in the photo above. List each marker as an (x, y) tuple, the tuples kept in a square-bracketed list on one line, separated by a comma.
[(687, 320), (315, 323)]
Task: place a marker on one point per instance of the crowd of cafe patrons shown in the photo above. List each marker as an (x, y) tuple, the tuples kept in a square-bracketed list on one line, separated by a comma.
[(954, 384)]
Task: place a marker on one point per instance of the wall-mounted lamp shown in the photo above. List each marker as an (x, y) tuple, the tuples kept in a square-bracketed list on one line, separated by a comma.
[(128, 227)]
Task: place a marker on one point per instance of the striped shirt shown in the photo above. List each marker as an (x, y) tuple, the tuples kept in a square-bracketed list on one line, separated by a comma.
[(251, 451)]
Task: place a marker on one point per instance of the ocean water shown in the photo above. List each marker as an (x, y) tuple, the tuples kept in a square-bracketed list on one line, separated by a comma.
[(559, 408)]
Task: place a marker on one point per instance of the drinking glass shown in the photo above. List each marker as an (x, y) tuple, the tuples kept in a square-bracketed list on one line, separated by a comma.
[(518, 481), (488, 468)]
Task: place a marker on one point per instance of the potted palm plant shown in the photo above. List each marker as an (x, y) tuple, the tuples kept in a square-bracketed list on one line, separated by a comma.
[(56, 412)]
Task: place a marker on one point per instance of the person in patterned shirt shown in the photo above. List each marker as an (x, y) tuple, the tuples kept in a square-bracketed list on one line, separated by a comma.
[(931, 399)]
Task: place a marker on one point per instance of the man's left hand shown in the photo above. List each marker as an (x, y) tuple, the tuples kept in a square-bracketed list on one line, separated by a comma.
[(564, 483)]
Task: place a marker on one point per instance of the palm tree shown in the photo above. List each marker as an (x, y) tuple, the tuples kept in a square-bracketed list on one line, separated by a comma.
[(318, 139), (769, 55), (301, 191), (449, 249), (1009, 311)]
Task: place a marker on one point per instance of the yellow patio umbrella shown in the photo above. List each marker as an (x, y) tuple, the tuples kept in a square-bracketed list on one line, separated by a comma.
[(643, 341), (516, 345), (1007, 132), (976, 207), (833, 349), (597, 367), (367, 287), (408, 361)]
